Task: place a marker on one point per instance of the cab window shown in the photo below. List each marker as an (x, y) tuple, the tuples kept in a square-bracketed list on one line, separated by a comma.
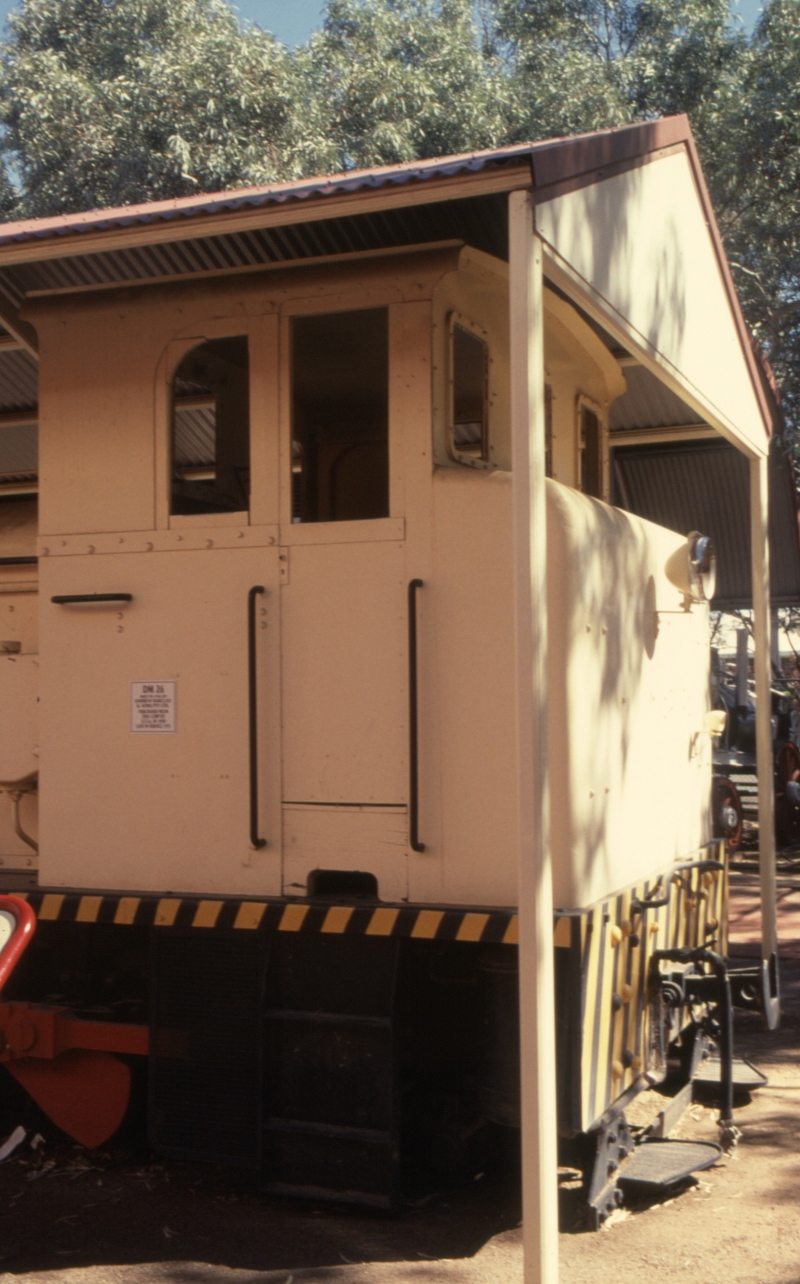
[(590, 457), (211, 429), (340, 416), (469, 420)]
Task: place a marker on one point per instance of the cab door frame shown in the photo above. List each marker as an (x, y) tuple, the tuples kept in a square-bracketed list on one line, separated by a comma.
[(335, 828)]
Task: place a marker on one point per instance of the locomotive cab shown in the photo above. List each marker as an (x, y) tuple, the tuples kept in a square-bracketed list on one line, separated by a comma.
[(338, 434)]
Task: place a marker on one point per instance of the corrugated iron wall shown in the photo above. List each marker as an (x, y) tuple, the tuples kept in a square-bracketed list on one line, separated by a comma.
[(704, 486)]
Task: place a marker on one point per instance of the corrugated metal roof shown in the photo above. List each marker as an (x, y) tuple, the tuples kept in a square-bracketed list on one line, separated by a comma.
[(195, 438), (480, 221), (705, 486), (273, 194), (551, 159), (648, 403), (19, 449), (19, 381)]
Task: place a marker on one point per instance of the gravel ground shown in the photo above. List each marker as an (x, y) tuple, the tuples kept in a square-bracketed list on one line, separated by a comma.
[(74, 1217)]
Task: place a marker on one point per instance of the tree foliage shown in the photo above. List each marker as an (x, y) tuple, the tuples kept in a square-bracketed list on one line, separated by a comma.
[(106, 102), (757, 194), (585, 64), (403, 79)]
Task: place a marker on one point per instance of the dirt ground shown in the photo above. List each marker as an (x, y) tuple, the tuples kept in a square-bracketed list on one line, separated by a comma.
[(68, 1216)]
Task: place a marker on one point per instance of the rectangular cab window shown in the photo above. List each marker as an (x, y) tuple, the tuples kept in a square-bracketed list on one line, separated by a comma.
[(590, 452), (340, 416), (211, 429), (469, 427)]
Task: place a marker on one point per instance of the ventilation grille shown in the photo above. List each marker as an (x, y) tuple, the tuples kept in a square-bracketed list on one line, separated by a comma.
[(205, 1068)]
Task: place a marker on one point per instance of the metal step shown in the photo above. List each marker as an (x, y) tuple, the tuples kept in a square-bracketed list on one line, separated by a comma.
[(659, 1164), (746, 1076)]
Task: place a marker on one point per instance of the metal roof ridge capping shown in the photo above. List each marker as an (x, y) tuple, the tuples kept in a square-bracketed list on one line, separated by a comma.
[(551, 159)]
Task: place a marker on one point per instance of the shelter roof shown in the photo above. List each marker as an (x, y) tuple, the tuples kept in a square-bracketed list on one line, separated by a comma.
[(552, 161), (454, 197), (369, 211)]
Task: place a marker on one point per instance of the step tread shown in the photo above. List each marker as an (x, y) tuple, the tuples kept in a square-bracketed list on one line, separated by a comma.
[(745, 1074), (663, 1163)]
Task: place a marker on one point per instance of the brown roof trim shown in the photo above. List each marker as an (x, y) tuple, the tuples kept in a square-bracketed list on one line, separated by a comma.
[(566, 158), (588, 177)]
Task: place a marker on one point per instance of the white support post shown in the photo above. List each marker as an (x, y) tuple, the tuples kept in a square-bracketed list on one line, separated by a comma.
[(536, 971), (759, 534)]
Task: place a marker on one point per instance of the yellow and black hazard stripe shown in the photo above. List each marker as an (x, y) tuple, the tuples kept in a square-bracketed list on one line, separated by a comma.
[(614, 943), (276, 915)]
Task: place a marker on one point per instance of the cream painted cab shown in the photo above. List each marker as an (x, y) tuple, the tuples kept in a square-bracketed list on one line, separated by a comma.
[(248, 473), (19, 684)]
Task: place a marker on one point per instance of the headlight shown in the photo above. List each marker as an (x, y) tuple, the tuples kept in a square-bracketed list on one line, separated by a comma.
[(702, 567), (692, 568)]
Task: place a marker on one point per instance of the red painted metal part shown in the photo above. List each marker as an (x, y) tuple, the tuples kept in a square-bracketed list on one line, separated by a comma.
[(29, 1030), (20, 937), (86, 1094), (66, 1064)]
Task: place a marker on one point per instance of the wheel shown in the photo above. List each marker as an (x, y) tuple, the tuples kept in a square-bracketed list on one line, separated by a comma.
[(726, 806), (787, 795)]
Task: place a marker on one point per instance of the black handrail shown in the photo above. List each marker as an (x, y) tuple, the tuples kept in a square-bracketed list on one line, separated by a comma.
[(253, 713), (67, 599), (18, 561), (413, 747)]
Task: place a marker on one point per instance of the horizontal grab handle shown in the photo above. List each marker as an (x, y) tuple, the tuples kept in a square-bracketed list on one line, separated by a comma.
[(67, 599), (18, 561)]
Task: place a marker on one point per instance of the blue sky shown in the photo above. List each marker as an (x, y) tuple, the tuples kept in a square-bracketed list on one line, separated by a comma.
[(292, 21)]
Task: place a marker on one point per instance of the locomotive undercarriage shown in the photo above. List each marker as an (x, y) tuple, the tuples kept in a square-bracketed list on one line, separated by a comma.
[(351, 1067), (334, 1067)]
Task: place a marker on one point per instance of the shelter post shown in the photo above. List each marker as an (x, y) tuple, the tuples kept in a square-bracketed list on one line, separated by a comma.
[(759, 535), (536, 971)]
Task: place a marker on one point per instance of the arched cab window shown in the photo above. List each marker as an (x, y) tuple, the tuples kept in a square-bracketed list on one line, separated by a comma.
[(468, 434), (211, 429)]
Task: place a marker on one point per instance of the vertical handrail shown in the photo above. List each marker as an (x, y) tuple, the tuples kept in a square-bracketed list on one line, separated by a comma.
[(413, 729), (253, 713)]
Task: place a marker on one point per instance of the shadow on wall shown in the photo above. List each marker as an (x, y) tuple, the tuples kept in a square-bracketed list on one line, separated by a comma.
[(603, 232), (603, 626)]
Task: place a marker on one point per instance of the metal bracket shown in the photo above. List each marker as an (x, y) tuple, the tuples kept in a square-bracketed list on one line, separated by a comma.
[(613, 1144)]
